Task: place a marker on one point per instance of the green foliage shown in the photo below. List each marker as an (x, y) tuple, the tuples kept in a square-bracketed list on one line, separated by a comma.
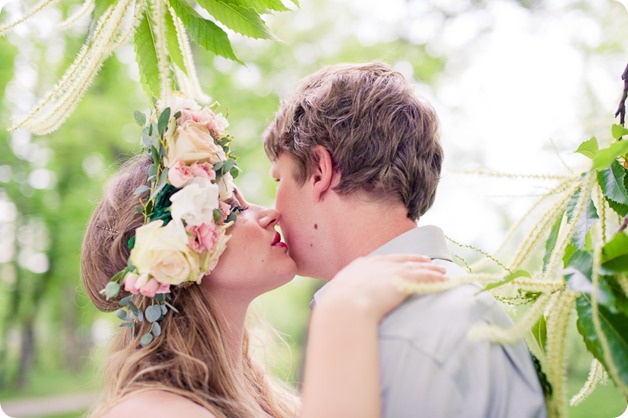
[(144, 42), (243, 20), (203, 32)]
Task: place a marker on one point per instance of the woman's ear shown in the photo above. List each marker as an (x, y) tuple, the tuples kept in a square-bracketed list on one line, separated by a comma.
[(323, 176)]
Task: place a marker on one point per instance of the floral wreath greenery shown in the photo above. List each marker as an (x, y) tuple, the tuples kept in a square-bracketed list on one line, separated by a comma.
[(186, 214)]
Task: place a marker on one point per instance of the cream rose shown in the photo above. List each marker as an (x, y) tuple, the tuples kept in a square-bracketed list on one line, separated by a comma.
[(191, 142), (215, 123), (225, 186), (162, 252), (195, 203)]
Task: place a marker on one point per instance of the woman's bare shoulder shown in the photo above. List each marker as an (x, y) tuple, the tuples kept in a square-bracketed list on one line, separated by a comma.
[(157, 404)]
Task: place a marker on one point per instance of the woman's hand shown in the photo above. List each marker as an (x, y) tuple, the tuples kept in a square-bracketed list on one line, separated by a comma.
[(342, 365), (372, 285)]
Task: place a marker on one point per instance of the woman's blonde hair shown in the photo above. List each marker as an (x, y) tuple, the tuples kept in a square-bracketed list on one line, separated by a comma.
[(190, 358)]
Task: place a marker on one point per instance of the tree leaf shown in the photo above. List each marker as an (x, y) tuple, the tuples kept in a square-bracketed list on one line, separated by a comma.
[(550, 243), (618, 131), (261, 6), (242, 20), (205, 33), (614, 326), (584, 222), (508, 278), (144, 43), (611, 180), (606, 156), (588, 148), (615, 254), (172, 42)]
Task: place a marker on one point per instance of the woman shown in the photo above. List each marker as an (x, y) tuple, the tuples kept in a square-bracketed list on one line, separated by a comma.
[(183, 349)]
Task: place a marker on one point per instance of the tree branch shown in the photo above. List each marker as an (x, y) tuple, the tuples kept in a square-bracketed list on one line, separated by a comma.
[(621, 109)]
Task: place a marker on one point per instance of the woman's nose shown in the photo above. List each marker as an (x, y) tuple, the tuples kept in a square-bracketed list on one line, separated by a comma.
[(268, 217)]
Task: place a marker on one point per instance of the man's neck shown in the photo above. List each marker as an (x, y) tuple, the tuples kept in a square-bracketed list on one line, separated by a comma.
[(367, 228)]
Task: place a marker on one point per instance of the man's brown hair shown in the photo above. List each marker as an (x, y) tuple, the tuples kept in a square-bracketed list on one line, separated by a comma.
[(382, 139)]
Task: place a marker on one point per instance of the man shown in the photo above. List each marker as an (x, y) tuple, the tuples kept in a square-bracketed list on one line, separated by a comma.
[(358, 159)]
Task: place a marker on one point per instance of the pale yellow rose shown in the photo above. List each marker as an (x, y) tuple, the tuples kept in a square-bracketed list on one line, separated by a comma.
[(190, 143), (163, 253)]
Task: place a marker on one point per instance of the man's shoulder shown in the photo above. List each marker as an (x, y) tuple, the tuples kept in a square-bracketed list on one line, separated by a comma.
[(437, 323)]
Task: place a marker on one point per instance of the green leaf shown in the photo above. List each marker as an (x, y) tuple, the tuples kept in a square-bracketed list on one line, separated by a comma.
[(539, 332), (588, 148), (584, 222), (614, 326), (205, 33), (140, 118), (550, 244), (162, 123), (146, 339), (172, 42), (144, 43), (612, 182), (217, 215), (112, 290), (606, 156), (615, 254), (618, 131), (242, 20), (261, 6), (512, 276), (153, 313)]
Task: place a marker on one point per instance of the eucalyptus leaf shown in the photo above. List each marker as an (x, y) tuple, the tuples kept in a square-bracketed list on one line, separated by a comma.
[(162, 123), (146, 339), (615, 329), (127, 324), (125, 300), (112, 289), (122, 314), (156, 329), (153, 313), (141, 189), (140, 118)]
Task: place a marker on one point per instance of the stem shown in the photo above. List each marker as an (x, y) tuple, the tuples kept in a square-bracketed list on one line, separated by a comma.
[(621, 109)]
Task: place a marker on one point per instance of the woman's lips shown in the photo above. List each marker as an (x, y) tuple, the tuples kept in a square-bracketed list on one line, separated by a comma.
[(277, 241)]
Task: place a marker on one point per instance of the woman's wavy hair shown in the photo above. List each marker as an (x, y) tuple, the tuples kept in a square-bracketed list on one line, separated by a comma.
[(190, 358)]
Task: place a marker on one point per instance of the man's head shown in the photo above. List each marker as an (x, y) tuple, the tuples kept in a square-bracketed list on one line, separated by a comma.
[(381, 139)]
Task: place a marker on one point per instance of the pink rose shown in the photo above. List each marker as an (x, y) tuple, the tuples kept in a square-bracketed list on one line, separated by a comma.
[(225, 208), (129, 282), (163, 288), (204, 170), (203, 237), (150, 288), (216, 124), (179, 174)]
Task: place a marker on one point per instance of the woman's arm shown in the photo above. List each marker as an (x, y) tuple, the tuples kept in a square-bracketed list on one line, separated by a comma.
[(342, 366)]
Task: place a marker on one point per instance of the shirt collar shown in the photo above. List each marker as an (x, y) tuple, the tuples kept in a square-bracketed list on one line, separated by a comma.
[(428, 240)]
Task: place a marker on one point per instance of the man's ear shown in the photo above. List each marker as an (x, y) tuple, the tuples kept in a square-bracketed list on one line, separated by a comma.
[(323, 176)]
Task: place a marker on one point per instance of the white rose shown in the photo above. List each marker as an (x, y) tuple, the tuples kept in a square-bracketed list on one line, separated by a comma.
[(195, 203), (178, 101), (163, 253), (191, 142)]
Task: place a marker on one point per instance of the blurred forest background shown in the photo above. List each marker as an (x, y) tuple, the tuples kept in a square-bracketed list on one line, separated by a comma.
[(518, 84)]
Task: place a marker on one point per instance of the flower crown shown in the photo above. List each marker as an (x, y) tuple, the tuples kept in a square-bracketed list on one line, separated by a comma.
[(186, 214)]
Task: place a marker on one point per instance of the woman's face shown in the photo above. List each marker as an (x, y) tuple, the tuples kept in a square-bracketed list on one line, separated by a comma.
[(255, 260)]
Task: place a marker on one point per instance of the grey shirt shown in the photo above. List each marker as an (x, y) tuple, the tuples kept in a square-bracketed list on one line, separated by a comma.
[(430, 368)]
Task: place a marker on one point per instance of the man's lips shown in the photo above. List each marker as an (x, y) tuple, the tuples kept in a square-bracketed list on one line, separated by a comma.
[(277, 241)]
